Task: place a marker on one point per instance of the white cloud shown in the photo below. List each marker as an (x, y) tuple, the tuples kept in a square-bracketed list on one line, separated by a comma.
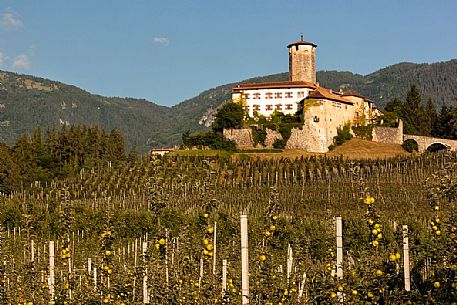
[(161, 40), (21, 62), (3, 59), (11, 20)]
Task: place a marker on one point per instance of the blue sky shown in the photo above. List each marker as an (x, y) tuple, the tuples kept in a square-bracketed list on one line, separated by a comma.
[(168, 51)]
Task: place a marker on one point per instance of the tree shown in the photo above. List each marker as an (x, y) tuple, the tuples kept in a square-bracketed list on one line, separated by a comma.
[(116, 146), (413, 112), (230, 115), (25, 158), (9, 172), (395, 106), (430, 117), (443, 123)]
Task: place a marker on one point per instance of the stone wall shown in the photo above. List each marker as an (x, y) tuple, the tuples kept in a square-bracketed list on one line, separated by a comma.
[(297, 139), (242, 137), (389, 135), (272, 136)]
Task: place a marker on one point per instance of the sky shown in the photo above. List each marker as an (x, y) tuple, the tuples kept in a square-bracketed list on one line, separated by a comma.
[(169, 51)]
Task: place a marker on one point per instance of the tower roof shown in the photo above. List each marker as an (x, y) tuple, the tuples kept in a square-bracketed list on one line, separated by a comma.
[(301, 42)]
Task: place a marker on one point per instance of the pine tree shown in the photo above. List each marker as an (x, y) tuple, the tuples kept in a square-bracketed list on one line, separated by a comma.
[(414, 113), (25, 158), (430, 117), (9, 172), (442, 126), (116, 146)]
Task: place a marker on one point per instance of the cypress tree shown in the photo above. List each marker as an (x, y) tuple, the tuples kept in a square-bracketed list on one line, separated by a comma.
[(413, 112), (430, 117)]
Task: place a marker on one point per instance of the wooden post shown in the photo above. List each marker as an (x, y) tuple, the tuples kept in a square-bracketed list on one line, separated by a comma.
[(200, 278), (224, 276), (302, 286), (406, 258), (95, 278), (214, 247), (51, 280), (32, 250), (135, 251), (167, 277), (145, 276), (244, 260), (289, 262), (89, 265), (339, 248)]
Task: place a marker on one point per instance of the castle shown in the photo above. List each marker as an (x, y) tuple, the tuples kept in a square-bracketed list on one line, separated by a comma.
[(323, 110)]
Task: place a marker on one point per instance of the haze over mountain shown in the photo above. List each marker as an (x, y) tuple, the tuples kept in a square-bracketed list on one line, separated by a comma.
[(28, 102)]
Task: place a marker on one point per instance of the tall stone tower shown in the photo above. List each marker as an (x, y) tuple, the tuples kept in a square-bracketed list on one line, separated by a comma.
[(302, 61)]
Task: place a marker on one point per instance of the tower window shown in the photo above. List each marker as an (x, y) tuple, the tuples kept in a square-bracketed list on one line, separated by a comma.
[(246, 96), (300, 94), (269, 107), (256, 107), (278, 107), (289, 106), (268, 95), (278, 95), (289, 95), (256, 96)]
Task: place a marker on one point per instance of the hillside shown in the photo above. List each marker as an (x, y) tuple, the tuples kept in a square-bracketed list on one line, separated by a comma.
[(27, 102)]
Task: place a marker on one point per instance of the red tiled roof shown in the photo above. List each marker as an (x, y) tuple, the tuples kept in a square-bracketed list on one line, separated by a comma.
[(301, 42), (274, 85), (323, 93)]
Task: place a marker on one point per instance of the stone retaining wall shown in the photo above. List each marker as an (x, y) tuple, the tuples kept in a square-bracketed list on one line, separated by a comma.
[(389, 135), (242, 137)]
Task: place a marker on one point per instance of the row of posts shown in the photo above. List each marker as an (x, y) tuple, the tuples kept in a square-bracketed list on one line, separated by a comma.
[(339, 258), (244, 262)]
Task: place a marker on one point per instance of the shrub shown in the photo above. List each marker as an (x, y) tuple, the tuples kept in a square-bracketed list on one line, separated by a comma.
[(343, 134), (259, 135), (363, 132), (279, 144), (410, 146)]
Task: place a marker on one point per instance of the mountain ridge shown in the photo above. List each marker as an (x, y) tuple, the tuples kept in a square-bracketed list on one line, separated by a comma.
[(28, 102)]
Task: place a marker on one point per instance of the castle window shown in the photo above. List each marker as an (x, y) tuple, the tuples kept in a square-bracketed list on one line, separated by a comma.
[(278, 107), (256, 107), (256, 96), (289, 95), (278, 95), (268, 95), (246, 108), (269, 107), (289, 106), (246, 96), (300, 94)]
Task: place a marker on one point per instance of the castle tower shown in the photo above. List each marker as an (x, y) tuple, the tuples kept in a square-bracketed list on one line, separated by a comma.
[(302, 61)]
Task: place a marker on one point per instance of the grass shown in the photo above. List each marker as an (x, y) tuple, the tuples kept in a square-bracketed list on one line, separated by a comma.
[(200, 153), (353, 149), (364, 149)]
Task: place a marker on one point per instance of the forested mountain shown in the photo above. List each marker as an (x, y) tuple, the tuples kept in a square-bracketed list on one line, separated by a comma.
[(27, 102)]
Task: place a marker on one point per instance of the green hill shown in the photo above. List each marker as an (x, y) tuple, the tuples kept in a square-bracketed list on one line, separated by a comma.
[(27, 102)]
